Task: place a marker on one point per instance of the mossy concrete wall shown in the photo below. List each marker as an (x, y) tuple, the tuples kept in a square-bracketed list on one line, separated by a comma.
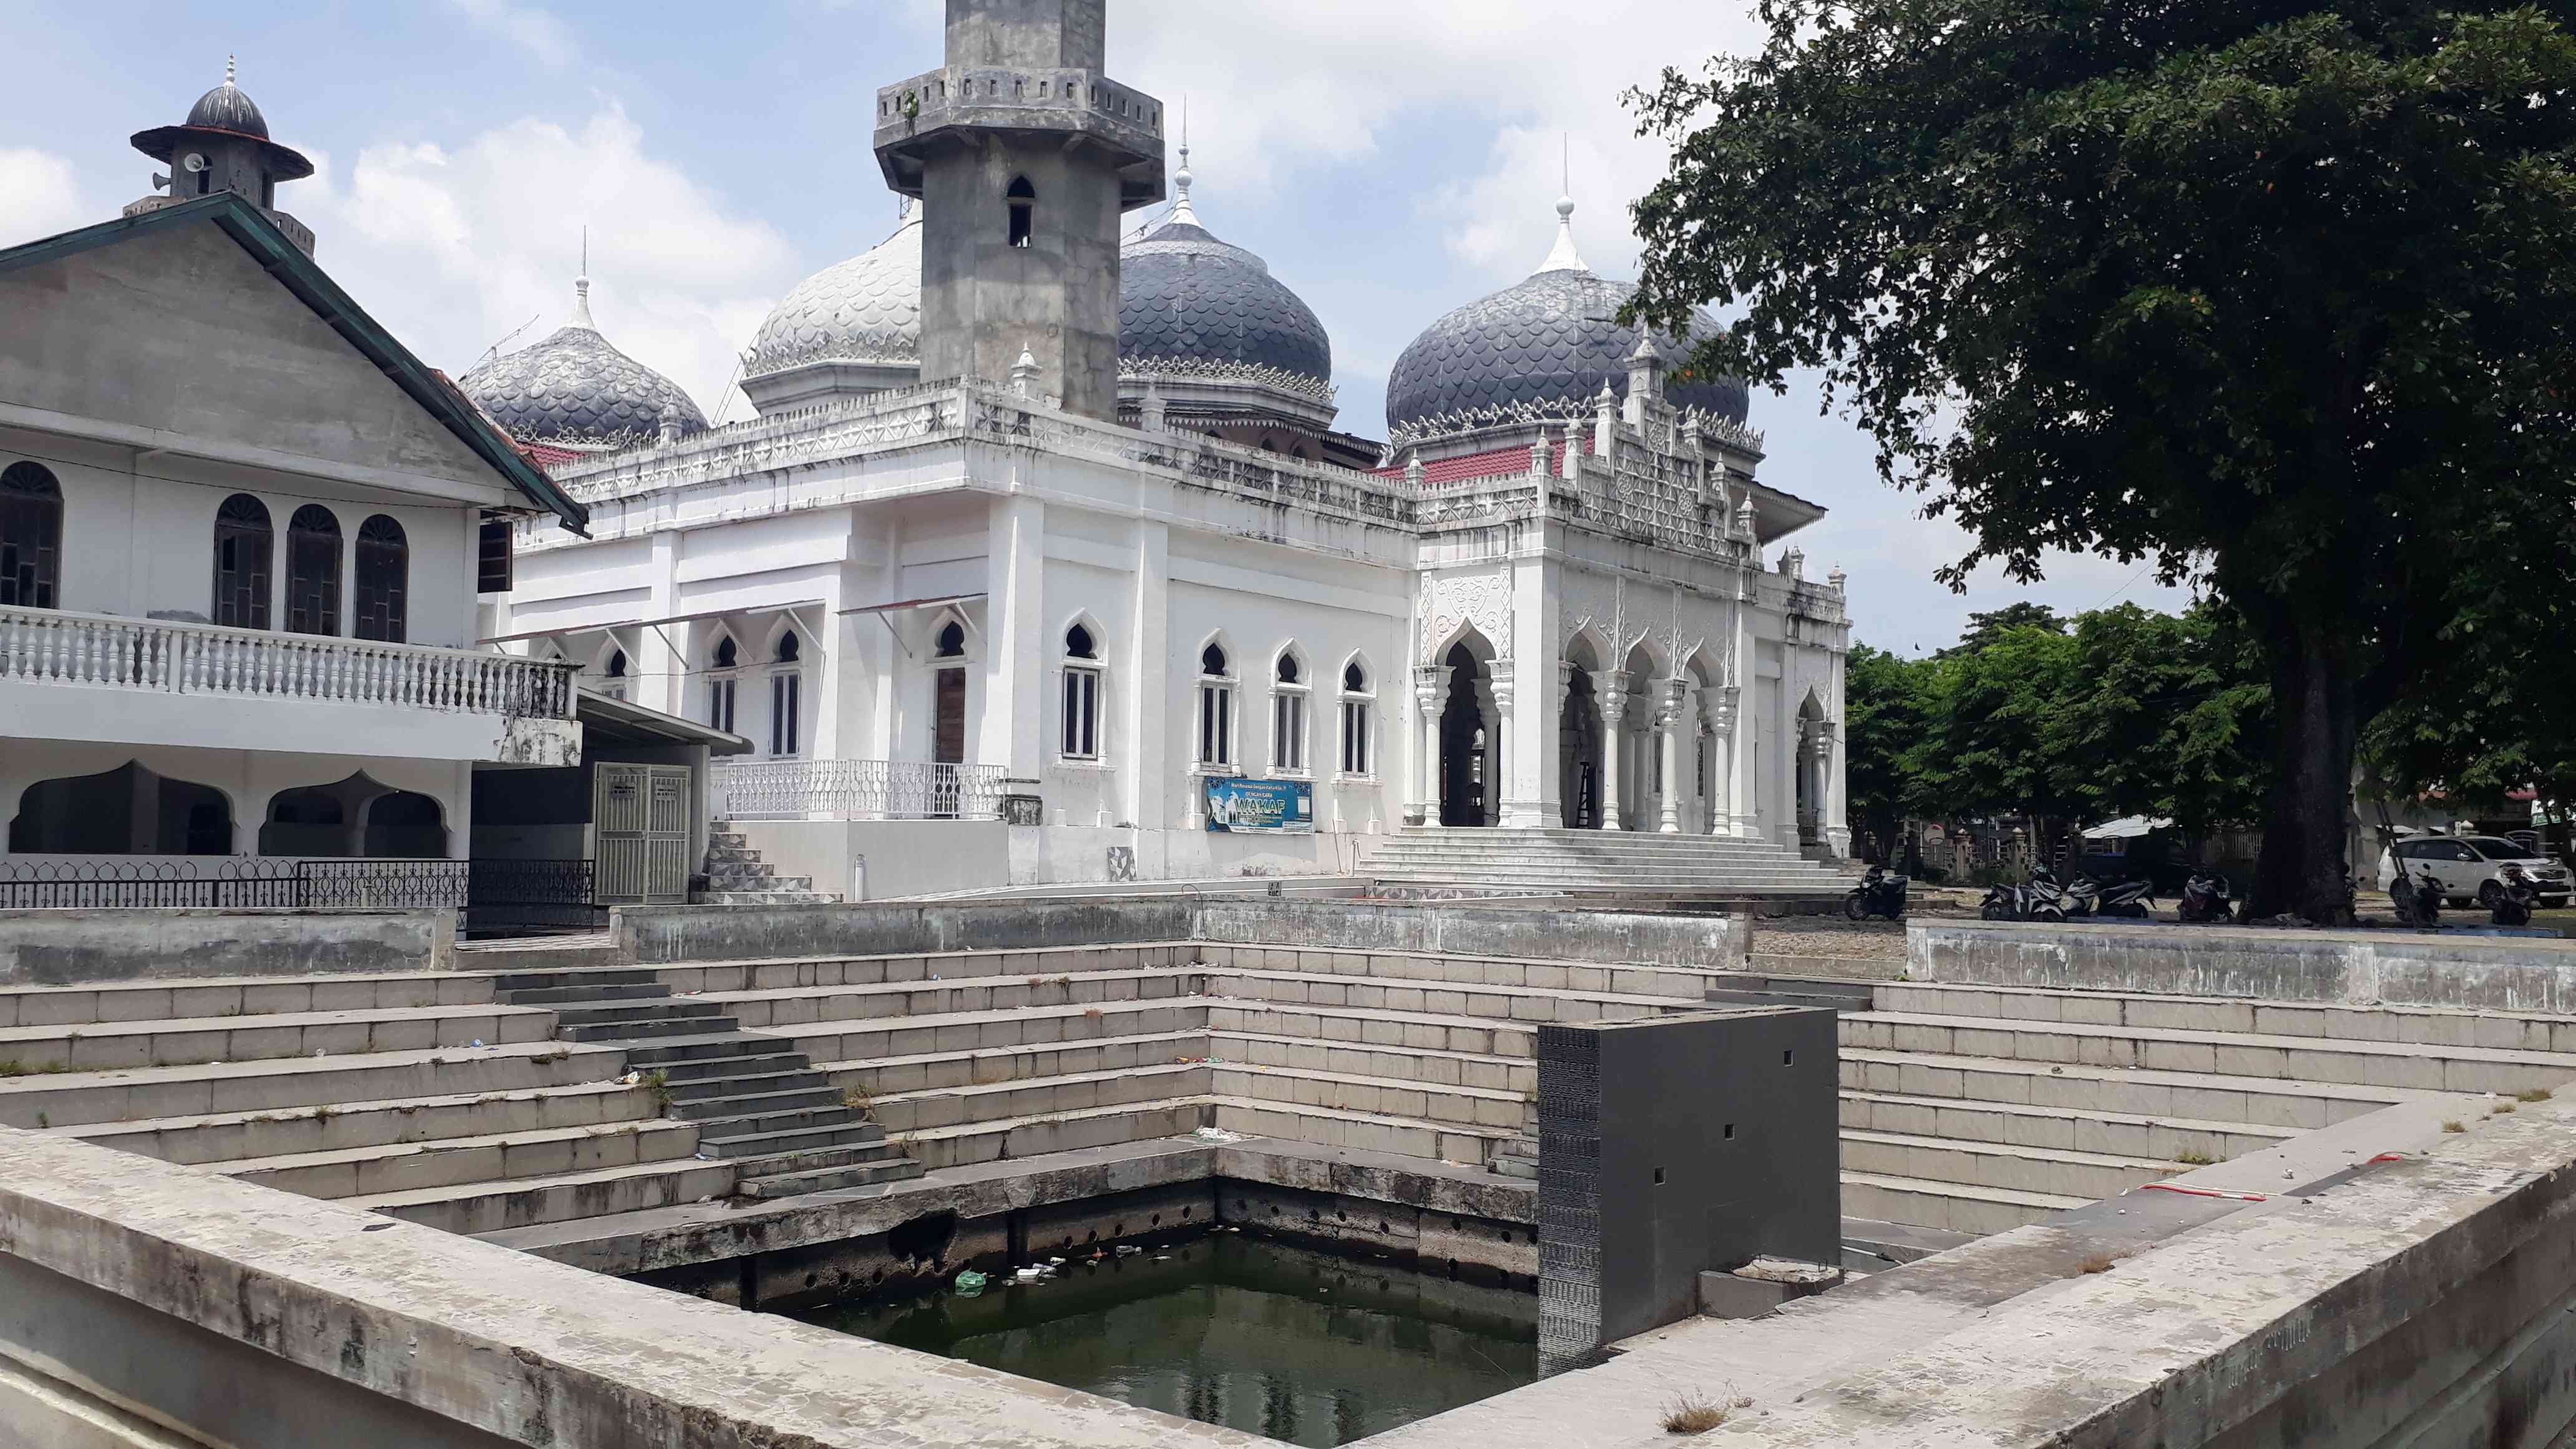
[(67, 947)]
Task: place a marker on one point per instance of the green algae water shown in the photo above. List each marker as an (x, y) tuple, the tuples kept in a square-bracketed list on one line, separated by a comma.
[(1300, 1346)]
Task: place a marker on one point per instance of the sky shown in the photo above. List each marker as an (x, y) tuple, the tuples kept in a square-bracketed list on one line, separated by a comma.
[(1391, 161)]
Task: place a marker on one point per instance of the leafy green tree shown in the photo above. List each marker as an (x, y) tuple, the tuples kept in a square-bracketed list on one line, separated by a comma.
[(1987, 716), (1883, 716), (1985, 628), (2169, 717), (2234, 286)]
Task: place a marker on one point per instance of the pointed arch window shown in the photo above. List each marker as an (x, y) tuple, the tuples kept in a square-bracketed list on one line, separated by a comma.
[(384, 581), (245, 545), (951, 643), (1288, 714), (1081, 694), (723, 683), (1023, 199), (615, 688), (1216, 708), (786, 697), (1358, 705), (31, 536), (313, 571)]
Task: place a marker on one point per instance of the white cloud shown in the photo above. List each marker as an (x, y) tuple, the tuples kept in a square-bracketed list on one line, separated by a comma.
[(1332, 84), (39, 196), (456, 248), (529, 27)]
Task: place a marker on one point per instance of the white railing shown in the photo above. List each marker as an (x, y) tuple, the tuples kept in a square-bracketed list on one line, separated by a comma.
[(159, 656), (853, 790)]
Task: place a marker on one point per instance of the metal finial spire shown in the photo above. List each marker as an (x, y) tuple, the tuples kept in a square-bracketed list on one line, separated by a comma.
[(581, 287), (229, 68), (1564, 258), (1181, 211)]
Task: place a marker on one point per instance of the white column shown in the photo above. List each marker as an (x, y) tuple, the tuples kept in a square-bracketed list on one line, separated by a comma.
[(1499, 774), (1714, 721), (1614, 716), (1430, 687), (1150, 754), (1740, 765), (1014, 720), (1668, 722)]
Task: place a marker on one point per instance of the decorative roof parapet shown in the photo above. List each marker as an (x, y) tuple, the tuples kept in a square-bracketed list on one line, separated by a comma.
[(1552, 414), (1142, 369), (871, 350)]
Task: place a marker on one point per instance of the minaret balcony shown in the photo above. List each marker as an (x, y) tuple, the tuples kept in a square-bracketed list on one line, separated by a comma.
[(917, 117)]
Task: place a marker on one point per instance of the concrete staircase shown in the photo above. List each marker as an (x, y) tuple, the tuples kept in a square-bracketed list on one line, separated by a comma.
[(1627, 863), (737, 876), (756, 1102)]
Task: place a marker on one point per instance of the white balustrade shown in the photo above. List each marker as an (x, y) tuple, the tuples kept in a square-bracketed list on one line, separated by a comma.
[(159, 656), (854, 790)]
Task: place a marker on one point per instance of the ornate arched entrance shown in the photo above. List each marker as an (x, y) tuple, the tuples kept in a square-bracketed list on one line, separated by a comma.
[(1579, 751), (1468, 757)]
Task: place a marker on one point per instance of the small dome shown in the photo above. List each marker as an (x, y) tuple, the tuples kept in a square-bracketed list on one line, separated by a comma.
[(867, 309), (225, 108), (1186, 297), (574, 390), (1553, 338)]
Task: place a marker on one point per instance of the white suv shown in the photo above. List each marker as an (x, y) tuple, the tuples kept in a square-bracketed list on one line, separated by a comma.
[(2470, 867)]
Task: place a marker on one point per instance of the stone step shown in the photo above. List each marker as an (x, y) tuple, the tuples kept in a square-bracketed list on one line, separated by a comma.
[(807, 1006), (755, 1120), (1515, 1075), (587, 995), (888, 1037), (850, 1131), (1948, 1206), (1446, 1106), (848, 1154), (758, 898), (914, 1112), (104, 1046), (69, 1099), (2118, 1134), (490, 1207), (1012, 1138), (181, 999), (408, 1167), (2416, 1066), (2507, 1030), (831, 1179), (739, 1076), (2089, 1176), (621, 1013), (1412, 966), (1517, 1003), (644, 1032), (2193, 1096), (707, 1109), (1349, 1025), (538, 953), (574, 976), (234, 1136), (709, 1054), (798, 972), (1027, 1061), (1361, 1131)]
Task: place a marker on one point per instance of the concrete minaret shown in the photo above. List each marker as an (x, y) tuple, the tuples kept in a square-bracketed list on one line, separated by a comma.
[(1026, 157), (223, 146)]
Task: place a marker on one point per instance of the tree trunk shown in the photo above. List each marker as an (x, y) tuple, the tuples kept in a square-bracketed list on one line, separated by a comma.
[(2303, 870)]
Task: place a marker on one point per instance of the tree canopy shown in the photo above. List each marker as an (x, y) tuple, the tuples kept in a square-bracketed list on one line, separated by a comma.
[(2245, 288)]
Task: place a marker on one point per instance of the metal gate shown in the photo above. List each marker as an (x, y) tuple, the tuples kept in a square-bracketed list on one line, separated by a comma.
[(642, 816)]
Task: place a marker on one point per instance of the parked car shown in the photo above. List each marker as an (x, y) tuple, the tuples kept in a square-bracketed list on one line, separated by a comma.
[(2470, 868)]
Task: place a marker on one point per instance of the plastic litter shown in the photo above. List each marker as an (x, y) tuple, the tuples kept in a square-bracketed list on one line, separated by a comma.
[(1217, 1134), (970, 1283)]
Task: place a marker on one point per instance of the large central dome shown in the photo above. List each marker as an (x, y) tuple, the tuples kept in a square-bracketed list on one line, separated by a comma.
[(851, 328), (1552, 339), (1189, 300), (574, 390)]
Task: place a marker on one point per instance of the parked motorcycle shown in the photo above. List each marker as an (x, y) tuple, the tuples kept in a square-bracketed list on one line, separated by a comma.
[(2418, 898), (1878, 894), (2519, 894), (2040, 898), (2129, 898), (2206, 896)]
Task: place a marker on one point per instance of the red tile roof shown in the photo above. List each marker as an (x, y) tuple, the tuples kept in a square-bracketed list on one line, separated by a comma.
[(1499, 463)]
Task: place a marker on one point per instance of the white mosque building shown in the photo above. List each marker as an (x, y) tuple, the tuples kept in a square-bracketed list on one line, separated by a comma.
[(1044, 562)]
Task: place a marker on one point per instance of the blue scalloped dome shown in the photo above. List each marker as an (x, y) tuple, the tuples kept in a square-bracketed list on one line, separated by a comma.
[(1553, 338), (575, 390), (1185, 296)]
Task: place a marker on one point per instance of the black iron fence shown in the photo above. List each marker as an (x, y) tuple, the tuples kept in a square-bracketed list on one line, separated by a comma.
[(498, 897), (531, 898)]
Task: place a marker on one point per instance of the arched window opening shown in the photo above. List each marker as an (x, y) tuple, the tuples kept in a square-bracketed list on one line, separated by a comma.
[(615, 685), (788, 648), (1358, 754), (1216, 709), (1081, 695), (1288, 716), (31, 536), (722, 684), (313, 571), (244, 545), (617, 665), (1023, 200), (786, 698), (358, 817), (952, 640), (125, 811), (384, 581)]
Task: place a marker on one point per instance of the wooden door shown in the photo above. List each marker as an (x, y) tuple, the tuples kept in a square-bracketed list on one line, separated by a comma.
[(948, 743)]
